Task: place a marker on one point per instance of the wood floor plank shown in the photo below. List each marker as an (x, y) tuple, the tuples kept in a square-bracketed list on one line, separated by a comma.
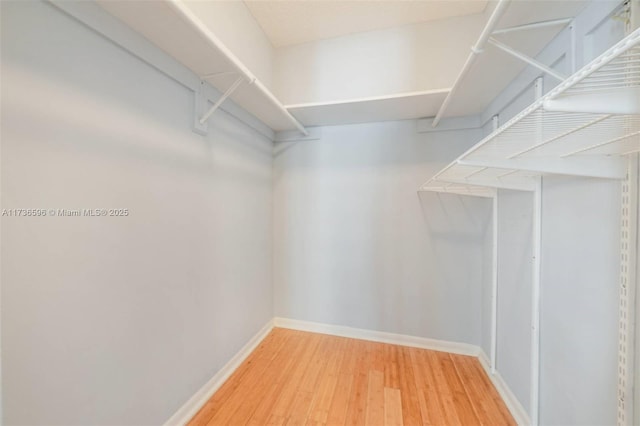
[(410, 402), (358, 398), (392, 407), (268, 398), (337, 414), (431, 408), (281, 408), (464, 408), (238, 400), (319, 410), (227, 390), (299, 410), (378, 356), (483, 396), (443, 388), (297, 378), (390, 366), (271, 382), (375, 398)]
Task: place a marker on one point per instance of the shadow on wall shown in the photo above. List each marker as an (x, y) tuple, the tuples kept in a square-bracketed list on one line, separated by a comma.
[(456, 218), (455, 225), (374, 145), (138, 137), (455, 230), (357, 246)]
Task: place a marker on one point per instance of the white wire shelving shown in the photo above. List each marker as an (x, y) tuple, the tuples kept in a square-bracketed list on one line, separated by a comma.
[(583, 127)]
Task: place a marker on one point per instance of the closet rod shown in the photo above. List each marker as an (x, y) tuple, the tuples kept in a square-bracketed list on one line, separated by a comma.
[(476, 49), (535, 25)]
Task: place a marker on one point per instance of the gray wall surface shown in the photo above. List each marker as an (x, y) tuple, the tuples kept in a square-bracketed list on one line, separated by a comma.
[(119, 320), (487, 289), (579, 301), (355, 245), (515, 268)]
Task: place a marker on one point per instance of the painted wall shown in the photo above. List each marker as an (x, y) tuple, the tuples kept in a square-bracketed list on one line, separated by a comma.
[(355, 245), (119, 320), (515, 269), (376, 63), (579, 301), (487, 290)]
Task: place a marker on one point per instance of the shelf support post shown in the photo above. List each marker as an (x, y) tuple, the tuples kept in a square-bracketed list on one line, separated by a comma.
[(200, 105), (534, 403), (535, 304), (494, 275), (627, 292), (628, 355), (494, 286)]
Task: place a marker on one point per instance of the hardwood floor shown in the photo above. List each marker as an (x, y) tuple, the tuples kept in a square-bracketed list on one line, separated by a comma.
[(300, 378)]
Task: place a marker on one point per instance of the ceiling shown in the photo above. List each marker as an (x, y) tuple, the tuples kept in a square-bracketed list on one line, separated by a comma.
[(293, 21)]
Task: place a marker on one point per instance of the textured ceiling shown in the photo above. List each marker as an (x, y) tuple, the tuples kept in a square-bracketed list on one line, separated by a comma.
[(293, 22)]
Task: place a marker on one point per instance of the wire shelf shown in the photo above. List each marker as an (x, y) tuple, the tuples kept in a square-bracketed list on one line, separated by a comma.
[(585, 126)]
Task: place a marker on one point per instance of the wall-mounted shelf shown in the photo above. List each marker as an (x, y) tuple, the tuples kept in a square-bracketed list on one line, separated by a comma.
[(402, 106), (171, 26), (583, 127)]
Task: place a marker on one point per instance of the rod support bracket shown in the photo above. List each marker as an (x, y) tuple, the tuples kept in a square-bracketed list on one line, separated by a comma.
[(200, 106)]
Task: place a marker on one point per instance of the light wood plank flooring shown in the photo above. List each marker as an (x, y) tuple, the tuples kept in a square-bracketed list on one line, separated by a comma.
[(300, 378)]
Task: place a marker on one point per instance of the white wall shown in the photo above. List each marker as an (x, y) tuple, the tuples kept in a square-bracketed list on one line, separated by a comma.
[(376, 63), (487, 291), (515, 269), (235, 26), (579, 301), (119, 320), (356, 245)]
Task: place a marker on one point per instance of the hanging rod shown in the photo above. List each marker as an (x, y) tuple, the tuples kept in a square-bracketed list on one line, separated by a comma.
[(476, 49), (535, 25), (208, 36), (218, 74)]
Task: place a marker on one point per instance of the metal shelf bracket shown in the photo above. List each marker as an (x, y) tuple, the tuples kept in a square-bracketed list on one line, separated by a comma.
[(529, 60), (201, 117)]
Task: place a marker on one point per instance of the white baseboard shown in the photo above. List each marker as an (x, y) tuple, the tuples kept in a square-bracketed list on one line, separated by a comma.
[(378, 336), (518, 412), (191, 407)]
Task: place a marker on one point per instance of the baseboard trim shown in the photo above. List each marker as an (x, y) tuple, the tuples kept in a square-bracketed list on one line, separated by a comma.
[(193, 405), (518, 412), (378, 336)]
